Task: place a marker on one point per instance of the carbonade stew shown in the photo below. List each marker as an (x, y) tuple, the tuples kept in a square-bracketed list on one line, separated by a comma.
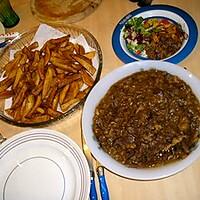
[(148, 119)]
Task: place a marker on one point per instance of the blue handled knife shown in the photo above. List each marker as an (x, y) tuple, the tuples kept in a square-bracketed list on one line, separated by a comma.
[(102, 182), (86, 151)]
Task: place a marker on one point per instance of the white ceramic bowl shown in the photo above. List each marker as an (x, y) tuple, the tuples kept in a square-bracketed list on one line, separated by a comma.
[(97, 94)]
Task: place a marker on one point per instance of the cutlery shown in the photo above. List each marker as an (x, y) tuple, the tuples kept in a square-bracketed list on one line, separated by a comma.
[(102, 182), (9, 35), (10, 41), (93, 192)]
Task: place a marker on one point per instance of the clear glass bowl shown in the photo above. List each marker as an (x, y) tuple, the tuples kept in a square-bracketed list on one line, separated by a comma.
[(26, 38)]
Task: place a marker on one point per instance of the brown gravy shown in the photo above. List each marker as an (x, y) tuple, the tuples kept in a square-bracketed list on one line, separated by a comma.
[(148, 119)]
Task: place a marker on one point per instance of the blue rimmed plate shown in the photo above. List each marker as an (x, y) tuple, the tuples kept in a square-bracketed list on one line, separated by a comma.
[(43, 164), (170, 13)]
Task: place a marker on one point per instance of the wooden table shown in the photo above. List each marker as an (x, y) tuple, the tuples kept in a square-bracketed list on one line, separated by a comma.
[(101, 23)]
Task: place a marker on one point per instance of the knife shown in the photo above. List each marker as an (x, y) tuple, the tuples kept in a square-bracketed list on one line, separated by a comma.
[(102, 182), (86, 151)]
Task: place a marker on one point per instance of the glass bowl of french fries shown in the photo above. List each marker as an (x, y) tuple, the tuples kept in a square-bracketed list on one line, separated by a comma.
[(47, 80)]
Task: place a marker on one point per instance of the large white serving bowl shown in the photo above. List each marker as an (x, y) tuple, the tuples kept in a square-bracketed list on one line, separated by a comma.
[(98, 93)]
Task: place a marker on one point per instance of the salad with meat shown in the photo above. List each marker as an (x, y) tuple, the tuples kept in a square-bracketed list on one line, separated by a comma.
[(153, 38)]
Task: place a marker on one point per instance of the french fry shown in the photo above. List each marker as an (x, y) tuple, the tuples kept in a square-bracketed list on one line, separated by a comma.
[(36, 58), (40, 110), (64, 44), (72, 92), (69, 104), (53, 113), (80, 83), (47, 55), (83, 93), (18, 76), (55, 102), (29, 104), (17, 101), (10, 112), (60, 40), (81, 50), (67, 54), (13, 63), (27, 52), (56, 54), (47, 82), (37, 119), (17, 114), (12, 73), (6, 94), (36, 78), (6, 84), (69, 79), (49, 44), (34, 45), (41, 68), (63, 93), (38, 89), (36, 105), (23, 59), (77, 66), (62, 64), (85, 62), (51, 96), (87, 79), (90, 55)]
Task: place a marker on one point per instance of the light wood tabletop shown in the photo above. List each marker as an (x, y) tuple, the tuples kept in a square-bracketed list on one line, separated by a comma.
[(101, 23)]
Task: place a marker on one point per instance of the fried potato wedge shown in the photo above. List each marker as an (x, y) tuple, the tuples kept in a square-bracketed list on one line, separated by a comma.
[(90, 55), (12, 65), (72, 92), (18, 76), (6, 94), (85, 62), (34, 45), (68, 79), (37, 118), (53, 113), (87, 79), (47, 82), (29, 104), (63, 93), (5, 84), (83, 93), (17, 101), (69, 104)]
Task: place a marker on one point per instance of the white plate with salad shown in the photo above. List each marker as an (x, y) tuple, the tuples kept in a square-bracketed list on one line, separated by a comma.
[(157, 32)]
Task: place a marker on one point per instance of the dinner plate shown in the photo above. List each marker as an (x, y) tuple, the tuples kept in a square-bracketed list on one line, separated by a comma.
[(170, 13), (43, 164), (99, 91)]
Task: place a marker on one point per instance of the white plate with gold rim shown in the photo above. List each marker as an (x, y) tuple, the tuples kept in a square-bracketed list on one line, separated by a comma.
[(43, 164)]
